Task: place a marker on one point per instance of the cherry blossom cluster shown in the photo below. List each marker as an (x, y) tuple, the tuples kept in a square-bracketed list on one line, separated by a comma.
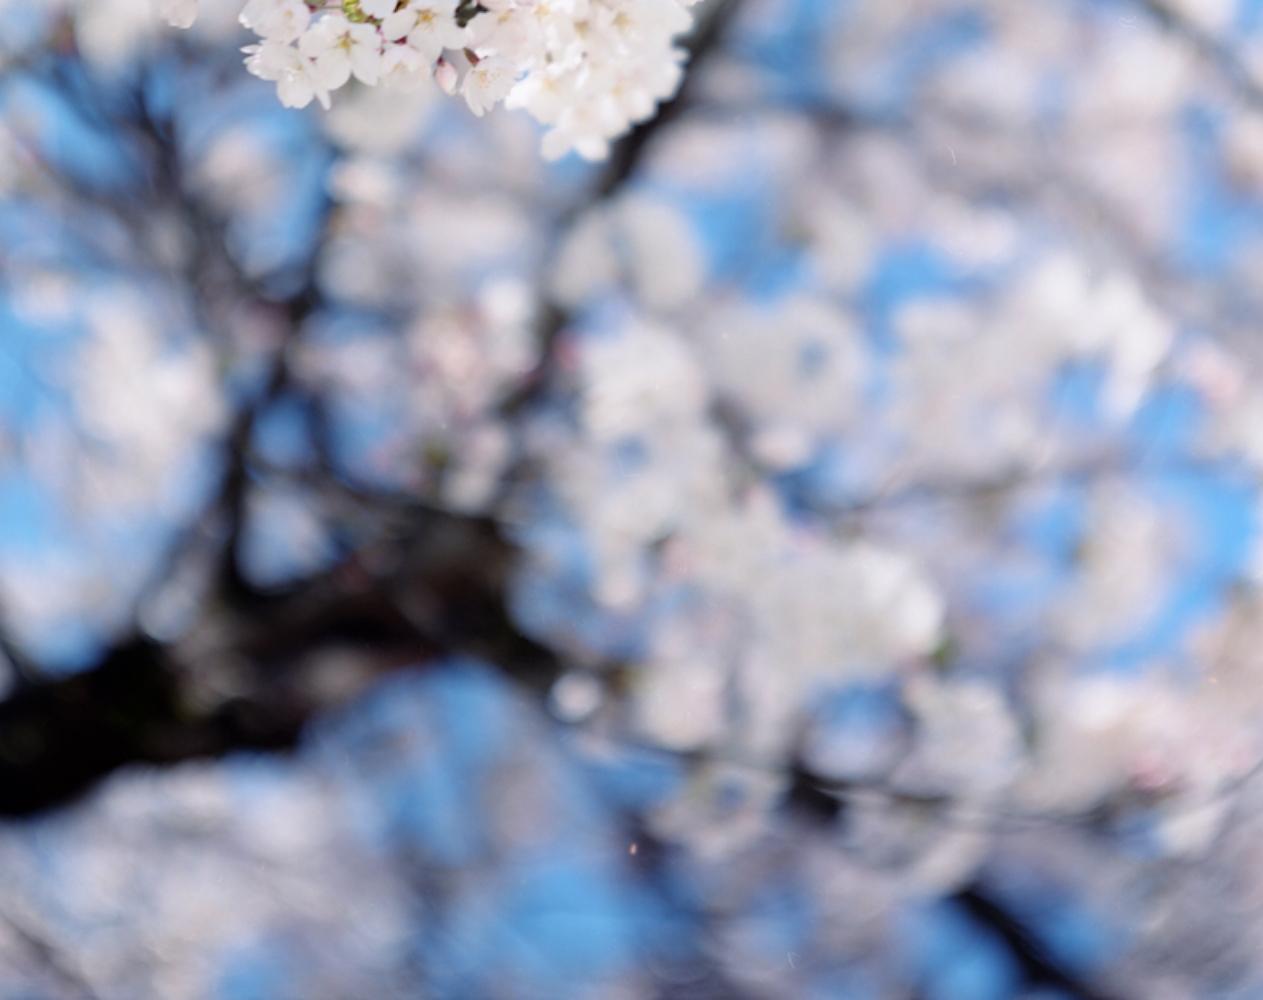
[(586, 69)]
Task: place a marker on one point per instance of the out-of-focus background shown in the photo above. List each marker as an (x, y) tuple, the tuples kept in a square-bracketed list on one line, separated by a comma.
[(812, 554)]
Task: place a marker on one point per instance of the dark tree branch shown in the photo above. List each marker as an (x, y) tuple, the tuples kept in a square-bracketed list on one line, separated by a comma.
[(258, 664), (1038, 967), (258, 675), (1216, 54)]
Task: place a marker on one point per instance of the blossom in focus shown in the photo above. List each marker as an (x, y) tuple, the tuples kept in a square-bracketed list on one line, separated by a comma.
[(587, 69)]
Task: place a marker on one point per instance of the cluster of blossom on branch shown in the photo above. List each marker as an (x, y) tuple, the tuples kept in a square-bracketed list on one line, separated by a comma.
[(586, 69)]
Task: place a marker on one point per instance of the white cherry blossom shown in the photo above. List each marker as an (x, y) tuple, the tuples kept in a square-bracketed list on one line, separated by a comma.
[(587, 69)]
